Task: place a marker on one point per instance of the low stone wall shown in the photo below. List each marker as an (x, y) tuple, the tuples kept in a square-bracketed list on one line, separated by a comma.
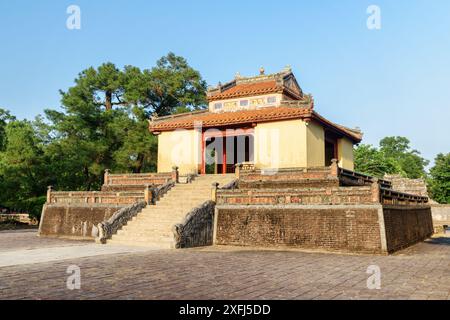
[(441, 214), (94, 197), (136, 178), (197, 228), (410, 186), (352, 228), (406, 225), (18, 217), (292, 184), (285, 174), (74, 221), (336, 195)]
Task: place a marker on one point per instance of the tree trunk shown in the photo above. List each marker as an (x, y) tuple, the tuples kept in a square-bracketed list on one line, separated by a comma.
[(108, 100), (140, 163)]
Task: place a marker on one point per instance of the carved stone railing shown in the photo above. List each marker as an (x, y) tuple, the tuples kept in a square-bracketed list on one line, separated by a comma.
[(188, 178), (135, 178), (197, 228), (92, 197), (120, 218), (231, 185), (159, 191), (389, 196), (351, 178)]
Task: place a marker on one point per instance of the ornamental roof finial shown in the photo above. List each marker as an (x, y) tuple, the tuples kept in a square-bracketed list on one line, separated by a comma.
[(288, 68), (262, 71)]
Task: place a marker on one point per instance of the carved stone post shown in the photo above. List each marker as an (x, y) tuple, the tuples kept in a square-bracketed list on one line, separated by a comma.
[(237, 170), (147, 195), (375, 190), (49, 194), (175, 174), (334, 168), (214, 188), (106, 177)]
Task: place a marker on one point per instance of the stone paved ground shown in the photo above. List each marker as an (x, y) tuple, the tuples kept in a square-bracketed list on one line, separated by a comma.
[(420, 272)]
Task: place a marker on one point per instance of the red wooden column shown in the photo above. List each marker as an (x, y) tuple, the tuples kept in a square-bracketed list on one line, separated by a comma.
[(203, 146), (224, 149)]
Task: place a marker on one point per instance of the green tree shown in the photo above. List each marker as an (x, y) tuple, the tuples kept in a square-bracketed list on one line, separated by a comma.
[(373, 162), (170, 85), (394, 156), (138, 151), (440, 179), (5, 117), (411, 163), (24, 170), (104, 121)]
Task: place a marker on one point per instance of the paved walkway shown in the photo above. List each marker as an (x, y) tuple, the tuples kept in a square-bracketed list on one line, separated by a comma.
[(419, 272), (25, 247)]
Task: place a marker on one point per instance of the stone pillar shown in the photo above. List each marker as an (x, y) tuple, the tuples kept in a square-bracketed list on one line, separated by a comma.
[(214, 188), (237, 170), (175, 174), (375, 190), (147, 195), (49, 194), (334, 168), (106, 177)]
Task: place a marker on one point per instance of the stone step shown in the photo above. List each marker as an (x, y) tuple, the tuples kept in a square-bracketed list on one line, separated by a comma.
[(162, 221), (142, 233), (156, 245), (186, 204), (153, 226), (159, 222), (188, 196), (144, 239), (161, 212)]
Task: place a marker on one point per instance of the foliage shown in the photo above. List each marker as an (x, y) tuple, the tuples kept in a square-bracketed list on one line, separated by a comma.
[(102, 123), (440, 179), (394, 156), (5, 117)]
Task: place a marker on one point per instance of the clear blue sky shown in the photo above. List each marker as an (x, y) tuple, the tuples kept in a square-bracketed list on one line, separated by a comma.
[(393, 81)]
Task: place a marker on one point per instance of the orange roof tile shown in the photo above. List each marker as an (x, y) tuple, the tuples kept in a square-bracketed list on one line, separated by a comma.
[(249, 89), (213, 120)]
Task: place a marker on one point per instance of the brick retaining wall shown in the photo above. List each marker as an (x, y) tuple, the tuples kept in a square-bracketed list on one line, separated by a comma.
[(352, 228), (74, 221), (342, 228), (406, 225)]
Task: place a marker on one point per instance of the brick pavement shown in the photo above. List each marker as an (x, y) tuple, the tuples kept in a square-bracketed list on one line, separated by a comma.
[(419, 272)]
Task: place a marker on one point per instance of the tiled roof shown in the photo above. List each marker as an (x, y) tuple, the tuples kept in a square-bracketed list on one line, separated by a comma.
[(249, 89), (213, 120)]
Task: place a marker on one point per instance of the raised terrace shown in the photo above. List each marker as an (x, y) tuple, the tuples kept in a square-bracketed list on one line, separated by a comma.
[(326, 207), (76, 214)]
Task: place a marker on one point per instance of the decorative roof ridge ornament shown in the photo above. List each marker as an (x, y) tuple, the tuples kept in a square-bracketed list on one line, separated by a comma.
[(262, 71), (287, 69), (154, 117)]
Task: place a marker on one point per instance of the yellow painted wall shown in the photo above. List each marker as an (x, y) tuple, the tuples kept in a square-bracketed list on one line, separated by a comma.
[(280, 144), (315, 145), (180, 148), (345, 154)]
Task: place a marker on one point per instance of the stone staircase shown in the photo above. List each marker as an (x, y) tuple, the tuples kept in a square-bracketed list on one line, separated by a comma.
[(153, 226)]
